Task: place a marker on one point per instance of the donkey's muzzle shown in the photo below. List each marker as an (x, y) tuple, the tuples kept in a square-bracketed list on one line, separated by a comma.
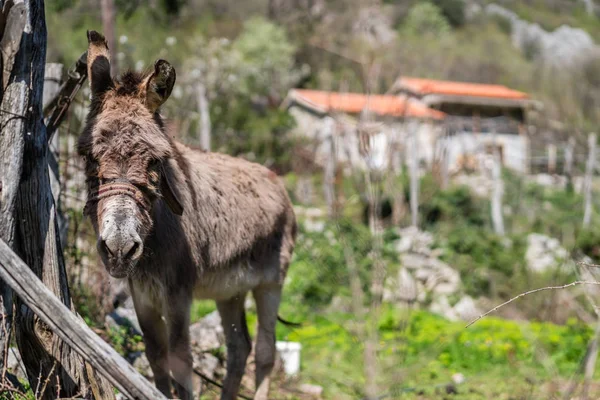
[(120, 252)]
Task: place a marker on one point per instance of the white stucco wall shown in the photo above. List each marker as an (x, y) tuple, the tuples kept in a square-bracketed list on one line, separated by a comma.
[(514, 148), (312, 126)]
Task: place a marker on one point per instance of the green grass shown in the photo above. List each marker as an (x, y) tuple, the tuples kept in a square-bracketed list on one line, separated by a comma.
[(419, 352)]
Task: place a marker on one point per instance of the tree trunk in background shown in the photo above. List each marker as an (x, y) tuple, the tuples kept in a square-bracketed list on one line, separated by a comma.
[(552, 158), (587, 184), (398, 207), (329, 167), (108, 26), (497, 192), (204, 111), (48, 361), (414, 179), (589, 6), (568, 169)]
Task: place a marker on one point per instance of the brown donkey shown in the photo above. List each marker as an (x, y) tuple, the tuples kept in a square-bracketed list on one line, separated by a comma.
[(179, 224)]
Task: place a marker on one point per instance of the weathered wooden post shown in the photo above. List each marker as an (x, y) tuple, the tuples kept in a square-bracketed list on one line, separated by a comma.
[(413, 167), (23, 143), (551, 158), (497, 192), (445, 158), (398, 208), (52, 82), (13, 103), (329, 164), (568, 167), (587, 184)]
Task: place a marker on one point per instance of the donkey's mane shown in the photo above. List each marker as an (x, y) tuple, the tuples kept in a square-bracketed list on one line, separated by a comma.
[(129, 83)]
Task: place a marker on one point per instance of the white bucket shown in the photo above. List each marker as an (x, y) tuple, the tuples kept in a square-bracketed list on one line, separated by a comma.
[(290, 355)]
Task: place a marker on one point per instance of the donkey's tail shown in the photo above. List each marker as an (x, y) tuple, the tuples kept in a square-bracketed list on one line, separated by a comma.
[(288, 323)]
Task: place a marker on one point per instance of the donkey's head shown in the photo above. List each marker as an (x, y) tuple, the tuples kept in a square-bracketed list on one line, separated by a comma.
[(127, 154)]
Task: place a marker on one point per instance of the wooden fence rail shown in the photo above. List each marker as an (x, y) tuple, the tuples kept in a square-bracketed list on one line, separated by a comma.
[(72, 329)]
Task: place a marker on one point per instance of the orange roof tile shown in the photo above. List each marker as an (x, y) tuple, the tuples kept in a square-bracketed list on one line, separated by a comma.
[(354, 103), (431, 86)]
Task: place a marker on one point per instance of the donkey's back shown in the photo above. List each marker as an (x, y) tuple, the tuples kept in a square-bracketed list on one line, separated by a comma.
[(241, 220)]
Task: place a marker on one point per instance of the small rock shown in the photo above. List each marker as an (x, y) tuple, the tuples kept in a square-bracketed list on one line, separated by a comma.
[(207, 334), (466, 309), (312, 390), (123, 317), (15, 363), (206, 363), (458, 378), (142, 365), (544, 253), (402, 287), (413, 261), (441, 306), (404, 244)]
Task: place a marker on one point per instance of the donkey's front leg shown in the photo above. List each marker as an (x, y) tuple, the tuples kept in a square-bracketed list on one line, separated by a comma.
[(180, 355), (155, 338)]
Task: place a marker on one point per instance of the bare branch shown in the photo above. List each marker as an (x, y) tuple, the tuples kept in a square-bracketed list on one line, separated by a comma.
[(531, 292)]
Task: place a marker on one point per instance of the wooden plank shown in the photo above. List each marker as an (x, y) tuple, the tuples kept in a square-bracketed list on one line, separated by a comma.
[(72, 329)]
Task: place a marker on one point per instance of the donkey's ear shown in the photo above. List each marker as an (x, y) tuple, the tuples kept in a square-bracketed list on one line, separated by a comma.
[(169, 196), (98, 64), (159, 84)]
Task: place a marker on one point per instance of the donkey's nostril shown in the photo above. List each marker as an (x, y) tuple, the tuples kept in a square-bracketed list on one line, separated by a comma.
[(105, 247), (132, 251)]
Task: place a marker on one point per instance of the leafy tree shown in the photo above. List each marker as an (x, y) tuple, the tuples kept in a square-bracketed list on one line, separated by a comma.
[(245, 80), (426, 19)]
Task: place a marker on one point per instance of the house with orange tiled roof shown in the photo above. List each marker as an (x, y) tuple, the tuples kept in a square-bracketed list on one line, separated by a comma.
[(479, 117), (321, 115)]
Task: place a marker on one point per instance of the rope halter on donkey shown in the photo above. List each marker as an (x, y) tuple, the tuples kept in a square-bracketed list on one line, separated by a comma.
[(120, 189)]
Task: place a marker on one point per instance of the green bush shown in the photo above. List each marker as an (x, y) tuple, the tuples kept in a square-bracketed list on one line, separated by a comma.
[(453, 10), (588, 242), (454, 204)]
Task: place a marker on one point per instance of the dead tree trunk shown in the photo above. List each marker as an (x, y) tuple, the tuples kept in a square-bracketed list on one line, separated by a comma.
[(44, 355), (108, 26), (587, 185)]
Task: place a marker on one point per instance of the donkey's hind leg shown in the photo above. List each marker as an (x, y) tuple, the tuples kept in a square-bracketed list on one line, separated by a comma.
[(233, 318), (267, 304)]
